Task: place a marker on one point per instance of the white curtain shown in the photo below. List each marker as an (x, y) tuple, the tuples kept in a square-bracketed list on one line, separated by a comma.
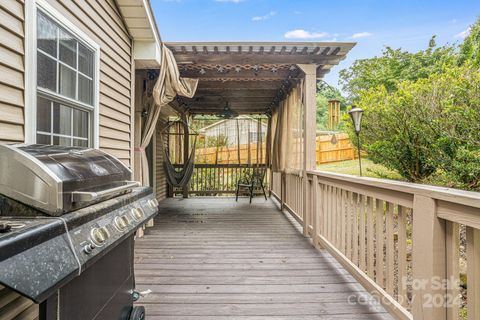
[(287, 133), (167, 87)]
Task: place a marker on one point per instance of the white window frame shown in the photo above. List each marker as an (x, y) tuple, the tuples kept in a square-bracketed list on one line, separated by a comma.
[(31, 8)]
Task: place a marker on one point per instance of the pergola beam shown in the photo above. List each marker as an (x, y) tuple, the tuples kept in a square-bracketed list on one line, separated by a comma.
[(240, 85), (249, 58)]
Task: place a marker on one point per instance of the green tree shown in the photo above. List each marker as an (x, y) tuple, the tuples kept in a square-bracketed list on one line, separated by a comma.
[(470, 48), (427, 127), (395, 66)]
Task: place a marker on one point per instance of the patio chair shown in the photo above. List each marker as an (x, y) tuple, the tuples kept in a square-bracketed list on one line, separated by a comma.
[(251, 181)]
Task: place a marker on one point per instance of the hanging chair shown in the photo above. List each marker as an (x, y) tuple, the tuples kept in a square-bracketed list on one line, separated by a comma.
[(175, 177)]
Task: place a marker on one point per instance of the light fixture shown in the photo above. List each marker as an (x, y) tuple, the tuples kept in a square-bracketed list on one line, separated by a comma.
[(238, 69), (292, 67), (202, 71), (220, 69), (274, 70), (356, 115), (256, 67), (228, 113)]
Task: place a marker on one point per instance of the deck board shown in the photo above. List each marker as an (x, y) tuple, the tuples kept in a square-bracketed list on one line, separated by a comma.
[(213, 258)]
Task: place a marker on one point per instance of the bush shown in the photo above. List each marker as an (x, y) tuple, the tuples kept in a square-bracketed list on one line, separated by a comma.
[(426, 126)]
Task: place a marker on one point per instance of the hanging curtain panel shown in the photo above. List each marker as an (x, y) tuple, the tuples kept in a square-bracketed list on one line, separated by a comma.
[(167, 87), (287, 130)]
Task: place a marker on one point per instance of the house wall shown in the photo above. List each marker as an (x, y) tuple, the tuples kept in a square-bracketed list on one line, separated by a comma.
[(12, 67), (102, 22)]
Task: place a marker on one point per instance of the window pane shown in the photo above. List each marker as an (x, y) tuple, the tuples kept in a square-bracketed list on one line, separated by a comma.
[(85, 90), (67, 81), (85, 60), (80, 143), (43, 115), (46, 72), (68, 49), (43, 139), (62, 119), (46, 34), (80, 123), (61, 141)]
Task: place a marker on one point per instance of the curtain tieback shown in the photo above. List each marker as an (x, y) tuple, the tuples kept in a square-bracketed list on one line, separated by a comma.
[(138, 149)]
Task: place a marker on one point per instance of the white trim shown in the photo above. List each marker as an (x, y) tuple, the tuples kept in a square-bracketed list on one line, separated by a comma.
[(31, 65)]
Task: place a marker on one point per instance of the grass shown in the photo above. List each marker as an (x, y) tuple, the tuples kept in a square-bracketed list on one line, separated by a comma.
[(369, 169)]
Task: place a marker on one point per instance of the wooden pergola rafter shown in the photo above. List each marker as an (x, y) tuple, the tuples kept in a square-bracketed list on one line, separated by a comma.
[(253, 77)]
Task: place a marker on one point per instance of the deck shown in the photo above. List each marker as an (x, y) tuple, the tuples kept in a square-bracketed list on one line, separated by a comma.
[(213, 258)]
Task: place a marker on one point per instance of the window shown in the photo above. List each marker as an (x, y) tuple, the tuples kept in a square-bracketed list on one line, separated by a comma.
[(65, 92)]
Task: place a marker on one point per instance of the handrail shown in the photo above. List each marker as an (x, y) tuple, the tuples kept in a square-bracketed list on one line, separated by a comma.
[(463, 197), (391, 235)]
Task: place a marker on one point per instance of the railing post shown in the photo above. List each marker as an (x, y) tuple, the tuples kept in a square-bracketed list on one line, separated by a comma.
[(429, 264), (306, 207), (315, 214)]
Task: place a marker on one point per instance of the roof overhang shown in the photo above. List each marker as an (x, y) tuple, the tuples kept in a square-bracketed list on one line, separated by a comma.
[(141, 24), (252, 76)]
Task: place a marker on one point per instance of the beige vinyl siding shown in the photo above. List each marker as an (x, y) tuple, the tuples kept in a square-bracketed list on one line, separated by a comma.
[(12, 82), (14, 306), (101, 21)]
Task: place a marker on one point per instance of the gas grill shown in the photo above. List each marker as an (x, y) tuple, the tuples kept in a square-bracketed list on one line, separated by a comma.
[(68, 216)]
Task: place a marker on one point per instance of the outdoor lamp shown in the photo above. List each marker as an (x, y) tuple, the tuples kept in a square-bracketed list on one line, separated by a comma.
[(356, 115)]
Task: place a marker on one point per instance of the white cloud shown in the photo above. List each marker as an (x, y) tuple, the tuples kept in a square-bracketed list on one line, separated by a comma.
[(453, 21), (359, 35), (303, 34), (232, 1), (463, 34), (264, 17), (297, 12)]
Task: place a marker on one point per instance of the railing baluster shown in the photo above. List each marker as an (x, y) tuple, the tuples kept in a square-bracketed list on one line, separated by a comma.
[(370, 235), (473, 273), (361, 215), (349, 225), (390, 249), (343, 221), (402, 256), (355, 228), (379, 277), (334, 217)]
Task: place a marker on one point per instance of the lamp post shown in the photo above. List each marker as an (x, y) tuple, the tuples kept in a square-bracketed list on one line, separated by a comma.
[(356, 115)]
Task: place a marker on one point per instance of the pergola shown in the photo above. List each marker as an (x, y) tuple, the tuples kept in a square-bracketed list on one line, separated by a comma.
[(253, 77)]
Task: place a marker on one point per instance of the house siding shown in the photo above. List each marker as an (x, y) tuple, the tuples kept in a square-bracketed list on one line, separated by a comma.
[(12, 50), (103, 23)]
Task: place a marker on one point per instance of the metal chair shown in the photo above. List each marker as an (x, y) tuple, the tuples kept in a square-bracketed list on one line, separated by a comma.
[(250, 181)]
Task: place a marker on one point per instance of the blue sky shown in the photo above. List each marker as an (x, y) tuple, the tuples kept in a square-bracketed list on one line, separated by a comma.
[(373, 24)]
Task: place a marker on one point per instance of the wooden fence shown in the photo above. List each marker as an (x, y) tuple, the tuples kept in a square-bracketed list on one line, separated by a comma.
[(401, 241), (326, 151)]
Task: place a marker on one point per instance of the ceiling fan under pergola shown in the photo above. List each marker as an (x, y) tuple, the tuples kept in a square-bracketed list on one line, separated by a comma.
[(227, 112)]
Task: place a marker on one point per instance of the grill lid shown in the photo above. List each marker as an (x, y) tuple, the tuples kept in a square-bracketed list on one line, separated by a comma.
[(57, 179)]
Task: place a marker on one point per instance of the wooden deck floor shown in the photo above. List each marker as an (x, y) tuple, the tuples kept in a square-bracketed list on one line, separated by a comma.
[(213, 258)]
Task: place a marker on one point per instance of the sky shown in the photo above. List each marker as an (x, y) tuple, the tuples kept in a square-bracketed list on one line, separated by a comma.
[(373, 24)]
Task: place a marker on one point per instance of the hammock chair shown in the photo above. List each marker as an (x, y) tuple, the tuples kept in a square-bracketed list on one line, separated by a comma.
[(175, 177)]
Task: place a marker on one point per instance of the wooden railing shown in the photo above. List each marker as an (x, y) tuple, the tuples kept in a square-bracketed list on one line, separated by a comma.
[(401, 241), (218, 179)]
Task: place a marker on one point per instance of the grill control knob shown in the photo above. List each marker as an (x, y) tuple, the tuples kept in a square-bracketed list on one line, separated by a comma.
[(99, 235), (89, 248), (153, 203), (137, 214), (121, 223)]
